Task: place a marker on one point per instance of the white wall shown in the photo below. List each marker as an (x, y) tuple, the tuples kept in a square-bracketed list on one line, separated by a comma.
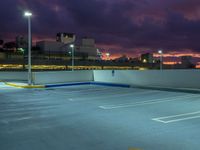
[(164, 78), (8, 76), (62, 76)]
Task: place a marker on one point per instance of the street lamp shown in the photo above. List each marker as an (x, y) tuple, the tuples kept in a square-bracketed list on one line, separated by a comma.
[(28, 15), (72, 46), (161, 59), (107, 56)]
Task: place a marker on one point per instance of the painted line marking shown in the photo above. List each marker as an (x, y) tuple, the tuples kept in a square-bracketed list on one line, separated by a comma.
[(148, 102), (15, 120), (10, 110), (131, 148), (24, 86), (179, 117), (110, 96)]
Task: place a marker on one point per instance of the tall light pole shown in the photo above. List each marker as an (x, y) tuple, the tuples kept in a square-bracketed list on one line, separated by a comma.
[(72, 46), (28, 15), (161, 59)]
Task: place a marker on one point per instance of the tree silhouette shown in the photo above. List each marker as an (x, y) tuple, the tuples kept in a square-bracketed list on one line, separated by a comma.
[(1, 42)]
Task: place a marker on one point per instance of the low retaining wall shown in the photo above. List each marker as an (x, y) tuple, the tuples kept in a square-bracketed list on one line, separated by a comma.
[(152, 78), (16, 76)]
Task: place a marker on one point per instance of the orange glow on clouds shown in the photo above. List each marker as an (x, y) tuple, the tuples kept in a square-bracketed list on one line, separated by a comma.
[(171, 62), (178, 54)]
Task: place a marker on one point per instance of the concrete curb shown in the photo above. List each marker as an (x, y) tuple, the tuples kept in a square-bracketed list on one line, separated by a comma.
[(184, 90), (24, 86)]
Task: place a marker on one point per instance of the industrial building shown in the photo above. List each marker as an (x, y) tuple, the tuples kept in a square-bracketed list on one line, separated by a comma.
[(147, 58), (86, 48)]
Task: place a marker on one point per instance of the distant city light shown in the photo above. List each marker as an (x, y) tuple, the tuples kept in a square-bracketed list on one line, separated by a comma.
[(144, 61), (107, 54)]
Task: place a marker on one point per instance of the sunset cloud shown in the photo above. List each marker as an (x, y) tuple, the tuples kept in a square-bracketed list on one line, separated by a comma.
[(122, 26)]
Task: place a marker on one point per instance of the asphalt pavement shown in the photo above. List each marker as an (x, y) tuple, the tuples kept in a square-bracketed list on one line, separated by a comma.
[(94, 117)]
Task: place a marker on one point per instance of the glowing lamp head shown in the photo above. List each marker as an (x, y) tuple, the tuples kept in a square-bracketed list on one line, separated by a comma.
[(27, 14), (72, 45), (107, 54), (160, 51), (144, 61)]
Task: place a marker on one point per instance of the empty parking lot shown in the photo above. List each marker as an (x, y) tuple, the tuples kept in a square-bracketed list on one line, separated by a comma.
[(93, 117)]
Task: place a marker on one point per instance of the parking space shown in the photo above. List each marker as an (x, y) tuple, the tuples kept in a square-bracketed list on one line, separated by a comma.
[(93, 117)]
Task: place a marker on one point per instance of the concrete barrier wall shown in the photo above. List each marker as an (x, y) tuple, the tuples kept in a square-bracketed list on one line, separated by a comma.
[(164, 78), (13, 76), (62, 76)]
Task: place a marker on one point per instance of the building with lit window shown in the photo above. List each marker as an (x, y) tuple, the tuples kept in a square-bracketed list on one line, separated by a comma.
[(85, 49), (147, 58), (88, 46), (66, 38)]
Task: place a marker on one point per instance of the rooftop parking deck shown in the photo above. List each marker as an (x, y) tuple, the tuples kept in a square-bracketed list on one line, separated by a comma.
[(94, 117)]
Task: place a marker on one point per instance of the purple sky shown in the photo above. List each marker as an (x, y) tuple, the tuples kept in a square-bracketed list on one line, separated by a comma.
[(122, 26)]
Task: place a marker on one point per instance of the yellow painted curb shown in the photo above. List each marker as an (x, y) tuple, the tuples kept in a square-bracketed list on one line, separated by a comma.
[(24, 86)]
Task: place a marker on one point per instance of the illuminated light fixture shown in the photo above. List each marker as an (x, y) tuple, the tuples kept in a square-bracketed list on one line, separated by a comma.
[(107, 56), (27, 14), (160, 51), (144, 61)]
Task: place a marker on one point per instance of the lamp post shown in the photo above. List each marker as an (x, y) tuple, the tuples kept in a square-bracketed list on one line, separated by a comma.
[(72, 46), (161, 59), (28, 15)]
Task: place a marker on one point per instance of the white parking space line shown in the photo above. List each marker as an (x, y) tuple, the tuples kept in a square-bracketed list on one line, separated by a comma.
[(179, 117), (114, 94), (38, 108), (148, 102)]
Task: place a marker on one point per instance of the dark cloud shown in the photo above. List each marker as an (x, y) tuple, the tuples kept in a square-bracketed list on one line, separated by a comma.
[(127, 24)]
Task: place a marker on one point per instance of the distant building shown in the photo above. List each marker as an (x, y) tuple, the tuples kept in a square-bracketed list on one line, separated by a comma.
[(99, 55), (10, 46), (66, 38), (88, 46), (51, 47), (186, 62), (147, 58), (86, 49), (21, 43), (123, 58)]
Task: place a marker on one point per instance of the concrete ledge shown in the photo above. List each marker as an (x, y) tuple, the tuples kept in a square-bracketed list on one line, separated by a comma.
[(111, 84), (184, 90), (66, 84), (170, 89)]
